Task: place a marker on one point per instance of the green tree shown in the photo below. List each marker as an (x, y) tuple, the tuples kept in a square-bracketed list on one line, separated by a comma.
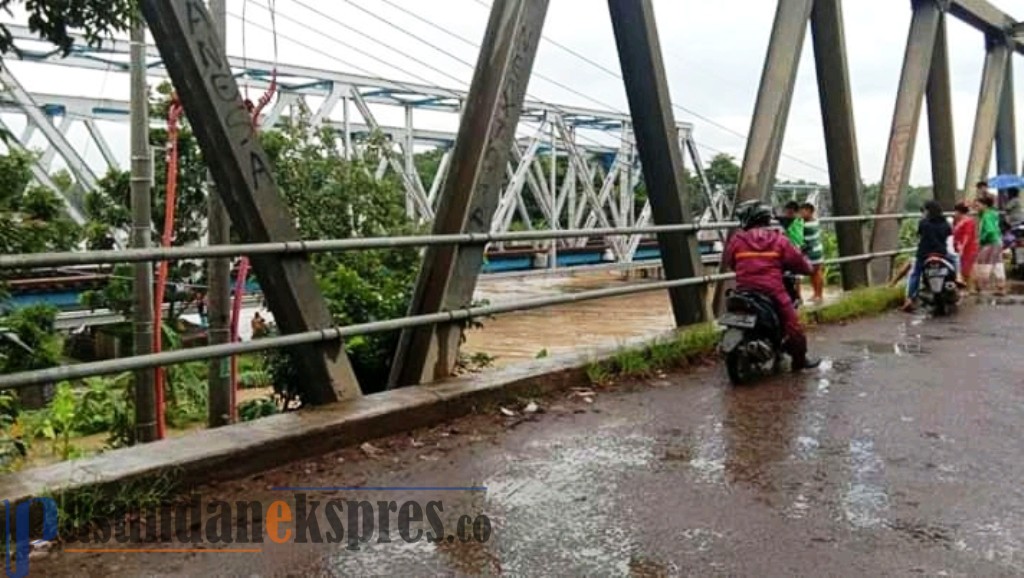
[(723, 171), (32, 217), (55, 20), (332, 198), (109, 210), (38, 345)]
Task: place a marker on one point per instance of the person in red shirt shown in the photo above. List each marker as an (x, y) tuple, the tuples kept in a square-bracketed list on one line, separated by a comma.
[(760, 254), (965, 240)]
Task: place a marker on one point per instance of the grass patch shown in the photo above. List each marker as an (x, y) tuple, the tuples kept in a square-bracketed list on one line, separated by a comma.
[(694, 343), (78, 511), (856, 304), (686, 347)]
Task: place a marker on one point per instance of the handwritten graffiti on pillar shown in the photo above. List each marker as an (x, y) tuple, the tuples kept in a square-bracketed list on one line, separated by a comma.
[(899, 152), (218, 75)]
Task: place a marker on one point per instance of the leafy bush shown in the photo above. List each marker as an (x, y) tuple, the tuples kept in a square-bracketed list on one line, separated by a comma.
[(333, 198), (257, 408), (34, 328)]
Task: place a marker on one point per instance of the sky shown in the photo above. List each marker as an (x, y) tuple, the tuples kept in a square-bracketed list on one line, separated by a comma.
[(713, 52)]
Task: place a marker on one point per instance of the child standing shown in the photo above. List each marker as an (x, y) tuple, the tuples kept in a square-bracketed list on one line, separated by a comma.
[(814, 250)]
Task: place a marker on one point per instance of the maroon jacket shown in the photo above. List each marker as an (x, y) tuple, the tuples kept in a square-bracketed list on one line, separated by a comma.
[(759, 257)]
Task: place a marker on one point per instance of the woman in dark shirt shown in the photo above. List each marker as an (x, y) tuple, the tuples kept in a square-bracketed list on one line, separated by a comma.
[(934, 232)]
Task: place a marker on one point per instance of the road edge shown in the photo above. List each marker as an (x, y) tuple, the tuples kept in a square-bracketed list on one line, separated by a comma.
[(238, 450)]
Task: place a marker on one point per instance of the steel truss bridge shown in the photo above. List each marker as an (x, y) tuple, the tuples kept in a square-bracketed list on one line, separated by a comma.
[(597, 190), (469, 204)]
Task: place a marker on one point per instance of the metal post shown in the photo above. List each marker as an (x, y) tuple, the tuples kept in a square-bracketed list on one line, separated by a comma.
[(142, 223), (473, 187), (219, 410), (190, 47), (940, 123), (1006, 129), (997, 57), (657, 140), (828, 36), (768, 127), (347, 122), (771, 112), (553, 195), (917, 61)]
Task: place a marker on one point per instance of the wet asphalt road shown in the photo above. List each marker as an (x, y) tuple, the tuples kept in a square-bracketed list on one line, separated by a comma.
[(903, 456)]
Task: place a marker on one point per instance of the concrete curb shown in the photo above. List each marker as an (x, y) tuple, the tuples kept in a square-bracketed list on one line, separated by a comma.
[(242, 449)]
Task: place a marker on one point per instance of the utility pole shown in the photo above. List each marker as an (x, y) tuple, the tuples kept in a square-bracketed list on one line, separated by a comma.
[(219, 293), (142, 222)]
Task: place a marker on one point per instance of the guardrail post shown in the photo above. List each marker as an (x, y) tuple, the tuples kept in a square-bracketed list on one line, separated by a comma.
[(657, 141), (828, 36), (940, 122), (997, 57), (187, 38), (1006, 129), (917, 61), (472, 189)]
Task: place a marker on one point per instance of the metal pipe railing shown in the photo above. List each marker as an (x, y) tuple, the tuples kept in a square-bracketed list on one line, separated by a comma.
[(107, 367), (44, 260)]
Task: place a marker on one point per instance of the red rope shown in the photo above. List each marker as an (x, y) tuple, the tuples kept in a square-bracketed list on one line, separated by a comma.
[(174, 115), (264, 100)]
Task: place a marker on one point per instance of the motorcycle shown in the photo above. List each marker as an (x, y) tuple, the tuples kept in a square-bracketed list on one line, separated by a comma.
[(752, 341), (938, 285)]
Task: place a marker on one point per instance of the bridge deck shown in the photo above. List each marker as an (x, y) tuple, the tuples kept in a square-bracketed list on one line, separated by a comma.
[(900, 457)]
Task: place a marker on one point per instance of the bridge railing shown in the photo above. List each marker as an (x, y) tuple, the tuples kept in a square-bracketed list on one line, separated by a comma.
[(113, 366)]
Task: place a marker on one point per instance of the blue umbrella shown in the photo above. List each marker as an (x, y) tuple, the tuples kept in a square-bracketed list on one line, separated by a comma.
[(1006, 182)]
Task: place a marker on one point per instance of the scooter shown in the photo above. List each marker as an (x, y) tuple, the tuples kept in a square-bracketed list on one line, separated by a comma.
[(938, 285), (752, 341)]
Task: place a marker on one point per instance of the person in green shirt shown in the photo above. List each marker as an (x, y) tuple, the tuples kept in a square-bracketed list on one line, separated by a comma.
[(990, 256), (793, 225), (814, 249)]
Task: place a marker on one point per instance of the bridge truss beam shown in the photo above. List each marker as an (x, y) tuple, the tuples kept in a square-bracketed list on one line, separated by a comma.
[(617, 169)]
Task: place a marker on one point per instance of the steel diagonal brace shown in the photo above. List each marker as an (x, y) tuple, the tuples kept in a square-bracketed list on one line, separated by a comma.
[(517, 180), (189, 43), (412, 186), (43, 177), (81, 171)]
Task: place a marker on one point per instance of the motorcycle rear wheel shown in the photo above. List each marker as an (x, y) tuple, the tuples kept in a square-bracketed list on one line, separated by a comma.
[(738, 367)]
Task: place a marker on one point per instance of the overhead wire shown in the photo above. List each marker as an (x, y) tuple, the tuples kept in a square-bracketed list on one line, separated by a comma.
[(400, 69), (470, 65), (689, 111), (561, 85)]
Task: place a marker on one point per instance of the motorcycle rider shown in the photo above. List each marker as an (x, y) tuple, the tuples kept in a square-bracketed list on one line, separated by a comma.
[(935, 236), (760, 254)]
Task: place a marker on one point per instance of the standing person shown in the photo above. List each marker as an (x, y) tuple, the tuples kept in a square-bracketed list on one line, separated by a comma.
[(990, 254), (793, 226), (934, 235), (1014, 209), (965, 240), (981, 190), (814, 250)]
